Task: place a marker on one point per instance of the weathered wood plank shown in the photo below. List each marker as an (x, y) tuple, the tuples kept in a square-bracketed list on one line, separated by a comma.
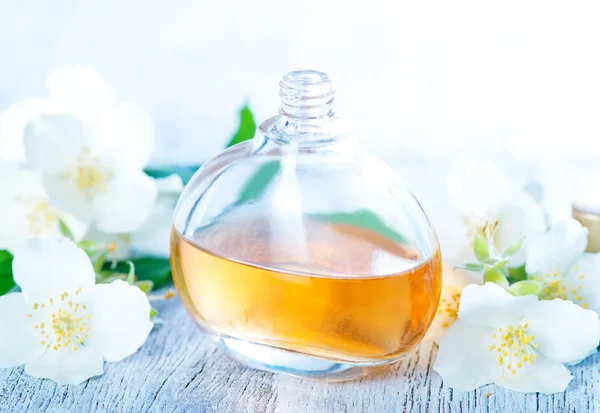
[(412, 386), (179, 370), (176, 370)]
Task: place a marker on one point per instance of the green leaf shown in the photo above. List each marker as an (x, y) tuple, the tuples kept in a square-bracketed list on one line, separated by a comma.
[(6, 278), (131, 273), (99, 261), (106, 277), (155, 319), (259, 182), (185, 172), (92, 248), (500, 264), (246, 129), (157, 270), (481, 249), (513, 249), (146, 286), (65, 231), (517, 274), (364, 219), (471, 267), (527, 287), (494, 275)]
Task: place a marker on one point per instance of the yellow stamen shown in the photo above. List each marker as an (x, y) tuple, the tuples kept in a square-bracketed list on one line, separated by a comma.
[(522, 347), (65, 325)]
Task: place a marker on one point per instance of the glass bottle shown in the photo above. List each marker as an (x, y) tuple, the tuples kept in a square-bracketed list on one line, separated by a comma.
[(302, 253)]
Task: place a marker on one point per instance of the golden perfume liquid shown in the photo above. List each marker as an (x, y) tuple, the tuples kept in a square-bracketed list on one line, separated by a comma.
[(342, 293)]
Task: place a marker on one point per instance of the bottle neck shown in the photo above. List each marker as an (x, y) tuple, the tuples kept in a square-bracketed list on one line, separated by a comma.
[(306, 116), (306, 94)]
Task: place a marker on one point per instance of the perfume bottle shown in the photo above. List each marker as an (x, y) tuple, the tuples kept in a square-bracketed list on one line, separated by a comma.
[(302, 253)]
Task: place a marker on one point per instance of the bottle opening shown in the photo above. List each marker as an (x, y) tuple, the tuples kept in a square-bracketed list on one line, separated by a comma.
[(305, 77), (306, 94)]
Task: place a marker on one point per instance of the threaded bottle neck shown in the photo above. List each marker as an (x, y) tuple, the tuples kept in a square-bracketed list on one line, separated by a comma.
[(306, 94)]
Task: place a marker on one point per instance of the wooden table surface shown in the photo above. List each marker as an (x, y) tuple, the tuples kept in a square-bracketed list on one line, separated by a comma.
[(179, 370)]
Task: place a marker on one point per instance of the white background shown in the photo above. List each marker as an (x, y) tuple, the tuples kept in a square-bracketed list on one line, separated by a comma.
[(423, 82), (419, 77)]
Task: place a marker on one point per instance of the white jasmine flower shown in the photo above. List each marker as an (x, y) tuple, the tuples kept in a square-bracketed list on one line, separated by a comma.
[(556, 259), (79, 92), (89, 148), (101, 184), (453, 282), (12, 125), (26, 212), (63, 326), (519, 343), (484, 197), (153, 237), (557, 248)]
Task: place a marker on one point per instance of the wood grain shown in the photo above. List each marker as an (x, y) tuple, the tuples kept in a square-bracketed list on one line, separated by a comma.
[(180, 370)]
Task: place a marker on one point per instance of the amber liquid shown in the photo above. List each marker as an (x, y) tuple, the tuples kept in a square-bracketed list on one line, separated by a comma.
[(347, 294)]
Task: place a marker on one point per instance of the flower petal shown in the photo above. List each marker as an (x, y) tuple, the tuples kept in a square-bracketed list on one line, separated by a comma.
[(490, 305), (17, 182), (169, 185), (65, 195), (45, 267), (120, 321), (557, 249), (445, 316), (453, 283), (463, 359), (153, 238), (22, 192), (54, 142), (12, 126), (79, 90), (66, 366), (584, 276), (564, 331), (120, 243), (77, 228), (517, 218), (19, 342), (126, 203), (543, 376), (126, 134), (14, 227), (25, 209)]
